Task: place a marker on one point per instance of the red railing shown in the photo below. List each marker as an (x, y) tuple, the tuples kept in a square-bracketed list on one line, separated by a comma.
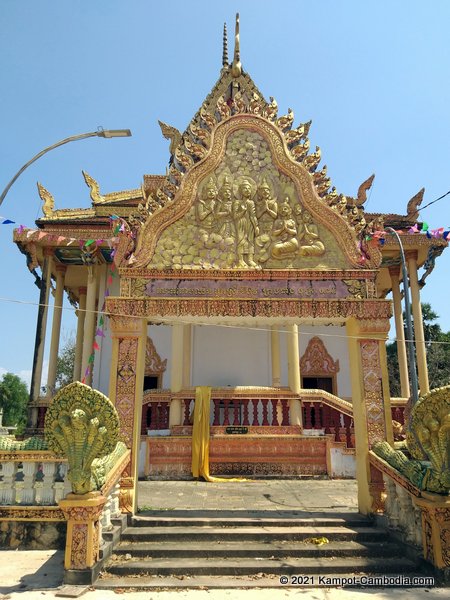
[(318, 415), (269, 412), (155, 416)]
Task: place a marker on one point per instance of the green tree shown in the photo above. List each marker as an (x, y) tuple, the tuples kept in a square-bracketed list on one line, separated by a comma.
[(438, 353), (13, 400), (64, 364)]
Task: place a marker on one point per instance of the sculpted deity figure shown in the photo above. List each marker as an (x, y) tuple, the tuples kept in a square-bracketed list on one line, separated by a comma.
[(266, 212), (284, 234), (310, 244), (266, 207), (246, 225), (206, 205), (224, 209)]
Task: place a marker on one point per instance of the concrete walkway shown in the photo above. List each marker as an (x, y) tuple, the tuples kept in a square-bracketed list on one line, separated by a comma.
[(293, 495), (29, 575)]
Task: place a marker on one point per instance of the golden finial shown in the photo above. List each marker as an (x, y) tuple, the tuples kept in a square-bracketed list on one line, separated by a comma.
[(225, 46), (236, 67)]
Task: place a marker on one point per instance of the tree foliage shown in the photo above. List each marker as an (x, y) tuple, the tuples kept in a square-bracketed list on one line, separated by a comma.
[(13, 400), (438, 354), (64, 364)]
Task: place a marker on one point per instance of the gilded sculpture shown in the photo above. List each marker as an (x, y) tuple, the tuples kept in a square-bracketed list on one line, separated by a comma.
[(236, 221), (425, 459), (82, 425)]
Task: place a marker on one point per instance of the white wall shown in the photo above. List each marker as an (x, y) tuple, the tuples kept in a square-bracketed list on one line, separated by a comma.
[(225, 356)]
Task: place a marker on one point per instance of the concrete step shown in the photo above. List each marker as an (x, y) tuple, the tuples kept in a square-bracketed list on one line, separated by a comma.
[(228, 566), (261, 520), (253, 549), (243, 534)]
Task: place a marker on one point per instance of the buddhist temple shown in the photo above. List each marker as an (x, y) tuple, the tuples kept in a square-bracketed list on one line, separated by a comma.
[(241, 271)]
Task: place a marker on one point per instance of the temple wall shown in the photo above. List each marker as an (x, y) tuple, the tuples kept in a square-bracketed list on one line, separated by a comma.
[(225, 356)]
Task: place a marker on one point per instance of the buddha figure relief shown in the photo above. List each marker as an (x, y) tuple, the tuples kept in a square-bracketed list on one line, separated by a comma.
[(284, 234), (206, 205), (224, 205), (266, 208), (246, 225), (308, 236)]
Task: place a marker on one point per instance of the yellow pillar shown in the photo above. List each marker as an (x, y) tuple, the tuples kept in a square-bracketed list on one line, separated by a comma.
[(295, 409), (275, 356), (370, 399), (56, 329), (81, 313), (394, 272), (129, 339), (89, 322), (422, 369), (187, 345), (40, 335), (176, 374), (101, 277)]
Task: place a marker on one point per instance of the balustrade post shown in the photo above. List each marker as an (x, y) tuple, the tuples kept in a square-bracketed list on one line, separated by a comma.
[(226, 420), (274, 404), (265, 420), (245, 420), (285, 411)]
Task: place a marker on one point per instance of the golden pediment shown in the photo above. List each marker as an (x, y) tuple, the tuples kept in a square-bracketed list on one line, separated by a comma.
[(249, 201)]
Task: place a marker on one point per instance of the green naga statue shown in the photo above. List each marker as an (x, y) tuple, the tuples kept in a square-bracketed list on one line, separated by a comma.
[(427, 442), (82, 425)]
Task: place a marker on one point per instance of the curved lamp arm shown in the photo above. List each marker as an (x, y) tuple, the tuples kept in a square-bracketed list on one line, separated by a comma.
[(105, 133)]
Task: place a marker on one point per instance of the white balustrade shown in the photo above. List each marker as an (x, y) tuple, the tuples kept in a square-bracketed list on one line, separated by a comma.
[(32, 483)]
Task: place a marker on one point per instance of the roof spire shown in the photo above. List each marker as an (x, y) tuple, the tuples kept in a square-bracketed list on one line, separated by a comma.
[(225, 46), (236, 67)]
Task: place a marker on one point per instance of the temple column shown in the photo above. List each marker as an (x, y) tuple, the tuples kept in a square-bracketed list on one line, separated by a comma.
[(129, 339), (394, 272), (41, 326), (56, 329), (371, 402), (187, 345), (295, 407), (101, 277), (81, 314), (422, 368), (275, 356), (176, 377), (89, 322)]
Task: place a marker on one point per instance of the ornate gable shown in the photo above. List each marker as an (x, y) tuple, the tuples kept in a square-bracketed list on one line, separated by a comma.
[(243, 191), (316, 360)]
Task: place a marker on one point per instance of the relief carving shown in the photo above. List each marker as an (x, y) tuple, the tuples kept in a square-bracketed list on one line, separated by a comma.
[(246, 215)]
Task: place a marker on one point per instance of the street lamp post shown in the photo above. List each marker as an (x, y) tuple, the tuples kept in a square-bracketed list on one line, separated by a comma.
[(409, 328), (38, 346), (105, 133)]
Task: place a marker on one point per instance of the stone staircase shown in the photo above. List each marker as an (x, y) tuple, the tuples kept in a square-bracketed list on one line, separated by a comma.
[(247, 549)]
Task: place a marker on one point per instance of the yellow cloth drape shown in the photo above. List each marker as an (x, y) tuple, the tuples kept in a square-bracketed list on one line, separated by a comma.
[(200, 436)]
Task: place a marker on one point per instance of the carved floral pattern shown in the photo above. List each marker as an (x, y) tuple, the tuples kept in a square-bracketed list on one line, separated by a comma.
[(317, 361), (373, 389)]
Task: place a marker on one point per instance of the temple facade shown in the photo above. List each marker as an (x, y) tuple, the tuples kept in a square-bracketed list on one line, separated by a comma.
[(242, 269)]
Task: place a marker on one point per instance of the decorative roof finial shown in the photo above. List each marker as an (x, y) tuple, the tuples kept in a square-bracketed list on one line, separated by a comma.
[(225, 46), (236, 68)]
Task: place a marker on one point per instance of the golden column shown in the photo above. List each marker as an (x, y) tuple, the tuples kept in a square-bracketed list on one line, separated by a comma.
[(371, 402), (101, 276), (81, 313), (422, 368), (295, 407), (126, 388), (394, 272), (275, 356), (41, 328), (56, 329), (187, 352), (89, 323), (176, 373)]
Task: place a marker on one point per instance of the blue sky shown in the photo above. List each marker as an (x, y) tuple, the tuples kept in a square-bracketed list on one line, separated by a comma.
[(372, 75)]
